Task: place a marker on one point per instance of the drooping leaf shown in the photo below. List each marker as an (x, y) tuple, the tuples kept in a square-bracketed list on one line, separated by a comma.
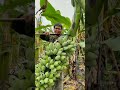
[(55, 18), (91, 56), (54, 15), (93, 8), (113, 43), (114, 11), (42, 27), (49, 8)]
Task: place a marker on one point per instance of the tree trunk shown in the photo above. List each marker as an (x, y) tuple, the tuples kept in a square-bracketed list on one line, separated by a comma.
[(5, 55)]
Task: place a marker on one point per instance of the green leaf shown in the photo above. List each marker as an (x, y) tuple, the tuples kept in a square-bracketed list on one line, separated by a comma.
[(54, 15), (49, 8), (113, 43), (114, 11), (42, 2), (91, 56), (55, 18), (42, 27), (58, 11), (93, 9)]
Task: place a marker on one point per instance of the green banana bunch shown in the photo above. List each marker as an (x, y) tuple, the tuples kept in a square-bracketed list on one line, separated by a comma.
[(51, 64)]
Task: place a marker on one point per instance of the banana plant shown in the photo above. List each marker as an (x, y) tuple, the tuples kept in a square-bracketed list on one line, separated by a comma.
[(79, 8)]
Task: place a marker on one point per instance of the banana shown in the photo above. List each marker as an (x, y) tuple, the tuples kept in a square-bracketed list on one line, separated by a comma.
[(53, 62), (57, 57)]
